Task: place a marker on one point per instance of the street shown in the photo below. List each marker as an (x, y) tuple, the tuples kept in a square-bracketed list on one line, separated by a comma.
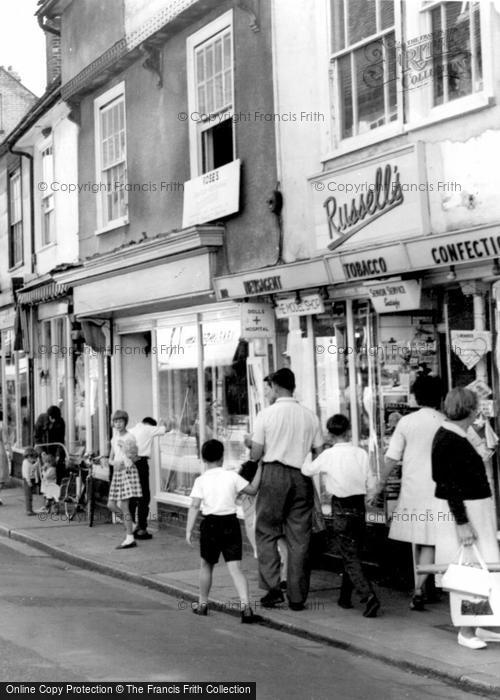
[(61, 623)]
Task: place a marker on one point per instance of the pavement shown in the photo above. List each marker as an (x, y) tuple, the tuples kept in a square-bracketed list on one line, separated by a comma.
[(421, 642)]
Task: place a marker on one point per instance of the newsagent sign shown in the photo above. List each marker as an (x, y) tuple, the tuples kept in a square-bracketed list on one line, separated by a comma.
[(380, 199)]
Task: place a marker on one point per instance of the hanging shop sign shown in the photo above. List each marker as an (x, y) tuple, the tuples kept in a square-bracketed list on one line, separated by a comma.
[(480, 388), (257, 320), (305, 306), (394, 295), (212, 195), (382, 198), (470, 346)]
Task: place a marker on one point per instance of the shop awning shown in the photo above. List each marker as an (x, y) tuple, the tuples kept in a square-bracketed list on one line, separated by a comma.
[(41, 293)]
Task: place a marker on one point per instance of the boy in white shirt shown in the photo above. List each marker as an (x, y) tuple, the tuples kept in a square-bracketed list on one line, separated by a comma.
[(215, 492), (347, 478)]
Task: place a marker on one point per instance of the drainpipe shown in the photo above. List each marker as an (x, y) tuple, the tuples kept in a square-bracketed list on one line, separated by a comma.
[(48, 26)]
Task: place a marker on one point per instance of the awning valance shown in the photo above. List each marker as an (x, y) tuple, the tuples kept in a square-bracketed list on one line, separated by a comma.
[(45, 292)]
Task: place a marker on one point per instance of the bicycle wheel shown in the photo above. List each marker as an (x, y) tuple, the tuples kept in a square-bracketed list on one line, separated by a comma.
[(68, 496), (90, 500)]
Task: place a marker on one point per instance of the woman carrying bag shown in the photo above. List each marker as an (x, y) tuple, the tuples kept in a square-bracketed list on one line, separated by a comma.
[(466, 514)]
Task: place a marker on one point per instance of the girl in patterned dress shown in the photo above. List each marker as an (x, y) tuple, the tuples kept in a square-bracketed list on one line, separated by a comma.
[(125, 483)]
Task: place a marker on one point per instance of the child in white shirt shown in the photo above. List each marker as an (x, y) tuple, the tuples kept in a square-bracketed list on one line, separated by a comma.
[(29, 470), (347, 478), (215, 492), (49, 486)]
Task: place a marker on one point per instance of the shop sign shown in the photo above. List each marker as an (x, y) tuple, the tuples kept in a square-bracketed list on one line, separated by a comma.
[(470, 346), (382, 198), (212, 195), (282, 278), (257, 320), (308, 304), (7, 317), (394, 295), (480, 388), (468, 247), (375, 262), (178, 347)]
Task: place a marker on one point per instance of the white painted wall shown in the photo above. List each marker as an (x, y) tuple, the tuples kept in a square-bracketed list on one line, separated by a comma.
[(302, 107)]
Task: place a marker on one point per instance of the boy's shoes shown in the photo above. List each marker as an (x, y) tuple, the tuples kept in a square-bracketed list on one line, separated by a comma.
[(273, 598), (372, 606), (145, 535), (296, 606), (248, 617), (418, 602), (201, 609), (43, 509), (345, 603), (30, 512), (127, 545)]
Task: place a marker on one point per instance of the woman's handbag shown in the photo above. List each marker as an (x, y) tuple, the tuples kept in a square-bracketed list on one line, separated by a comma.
[(468, 579)]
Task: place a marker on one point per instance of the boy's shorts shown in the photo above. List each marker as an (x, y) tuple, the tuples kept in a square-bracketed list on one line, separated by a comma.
[(220, 533)]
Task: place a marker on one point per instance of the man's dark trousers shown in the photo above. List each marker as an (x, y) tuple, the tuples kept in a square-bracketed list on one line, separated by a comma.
[(141, 505), (284, 506)]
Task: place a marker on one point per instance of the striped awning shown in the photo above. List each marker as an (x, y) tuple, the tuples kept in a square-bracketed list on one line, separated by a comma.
[(44, 292)]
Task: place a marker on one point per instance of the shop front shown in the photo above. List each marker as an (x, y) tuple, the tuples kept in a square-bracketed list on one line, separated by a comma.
[(14, 391), (357, 339), (156, 344)]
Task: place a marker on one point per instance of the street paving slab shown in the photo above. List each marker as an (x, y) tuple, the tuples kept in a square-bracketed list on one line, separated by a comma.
[(423, 642)]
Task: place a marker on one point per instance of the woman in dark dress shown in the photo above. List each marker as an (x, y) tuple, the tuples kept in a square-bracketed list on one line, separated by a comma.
[(57, 433), (466, 509)]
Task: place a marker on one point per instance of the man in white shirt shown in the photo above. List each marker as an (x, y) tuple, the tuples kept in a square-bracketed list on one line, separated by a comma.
[(144, 434), (283, 436)]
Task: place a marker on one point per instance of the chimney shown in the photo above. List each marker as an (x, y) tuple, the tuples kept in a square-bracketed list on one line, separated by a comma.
[(13, 73)]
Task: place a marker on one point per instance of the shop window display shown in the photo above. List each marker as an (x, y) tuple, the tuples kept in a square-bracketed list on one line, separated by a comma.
[(223, 398), (9, 421)]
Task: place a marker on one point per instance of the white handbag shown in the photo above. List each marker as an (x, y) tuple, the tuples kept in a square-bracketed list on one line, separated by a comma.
[(467, 578)]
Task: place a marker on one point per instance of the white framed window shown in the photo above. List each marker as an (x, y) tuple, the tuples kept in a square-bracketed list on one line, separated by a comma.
[(211, 95), (111, 158), (363, 57), (457, 69), (47, 201), (15, 219)]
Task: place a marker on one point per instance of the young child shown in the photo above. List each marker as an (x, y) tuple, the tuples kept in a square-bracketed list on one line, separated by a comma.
[(49, 486), (216, 491), (29, 471), (347, 479), (125, 483)]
